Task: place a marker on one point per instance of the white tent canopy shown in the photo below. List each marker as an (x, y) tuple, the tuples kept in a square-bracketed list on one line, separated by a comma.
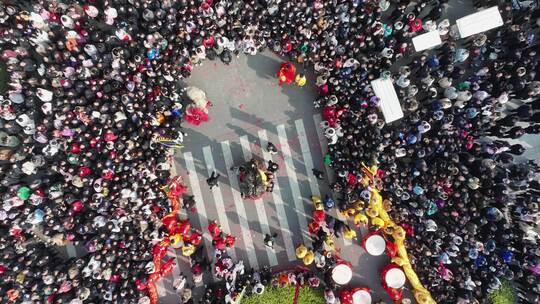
[(389, 102), (426, 41), (479, 22)]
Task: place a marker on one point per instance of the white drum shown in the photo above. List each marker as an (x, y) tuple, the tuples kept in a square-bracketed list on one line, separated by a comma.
[(342, 274), (395, 278), (375, 245), (361, 297)]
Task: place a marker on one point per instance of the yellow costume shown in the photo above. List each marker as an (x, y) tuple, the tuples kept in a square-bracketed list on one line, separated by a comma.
[(308, 258), (360, 218), (317, 202), (358, 205), (301, 251), (348, 212), (188, 250), (348, 233), (300, 80), (329, 241), (381, 218), (175, 240)]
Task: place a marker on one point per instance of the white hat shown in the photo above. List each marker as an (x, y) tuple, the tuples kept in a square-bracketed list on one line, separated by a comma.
[(91, 11), (44, 95), (37, 20), (67, 21)]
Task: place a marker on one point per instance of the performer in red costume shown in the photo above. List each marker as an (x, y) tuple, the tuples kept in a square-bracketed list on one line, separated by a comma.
[(286, 73), (214, 228), (230, 240)]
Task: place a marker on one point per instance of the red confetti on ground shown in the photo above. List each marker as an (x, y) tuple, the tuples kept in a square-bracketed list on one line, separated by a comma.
[(242, 106)]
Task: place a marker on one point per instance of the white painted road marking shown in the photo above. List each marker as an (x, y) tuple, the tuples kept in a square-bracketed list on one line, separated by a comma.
[(293, 181), (218, 198), (306, 155), (239, 203), (280, 209), (196, 190), (261, 213)]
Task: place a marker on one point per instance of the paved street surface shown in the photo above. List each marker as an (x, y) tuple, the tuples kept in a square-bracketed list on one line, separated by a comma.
[(249, 110)]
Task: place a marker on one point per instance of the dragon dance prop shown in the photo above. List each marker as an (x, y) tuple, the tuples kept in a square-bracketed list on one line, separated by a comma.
[(380, 217), (174, 190)]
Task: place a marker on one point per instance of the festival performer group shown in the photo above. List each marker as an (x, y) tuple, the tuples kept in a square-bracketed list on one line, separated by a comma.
[(287, 75)]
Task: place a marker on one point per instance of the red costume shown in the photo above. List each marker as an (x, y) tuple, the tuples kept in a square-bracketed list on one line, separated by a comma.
[(319, 215), (286, 73), (230, 240), (314, 227), (194, 238), (196, 116), (219, 243), (167, 267), (183, 227), (214, 229), (391, 248), (170, 222)]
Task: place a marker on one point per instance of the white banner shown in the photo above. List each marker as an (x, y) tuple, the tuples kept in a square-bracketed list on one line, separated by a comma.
[(426, 41), (479, 22), (389, 102)]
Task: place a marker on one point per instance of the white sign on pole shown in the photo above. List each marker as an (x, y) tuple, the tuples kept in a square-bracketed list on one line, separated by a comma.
[(389, 102), (479, 22), (426, 41)]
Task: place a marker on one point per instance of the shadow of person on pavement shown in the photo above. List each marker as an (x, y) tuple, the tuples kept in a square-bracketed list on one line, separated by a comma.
[(265, 66), (197, 139), (257, 121)]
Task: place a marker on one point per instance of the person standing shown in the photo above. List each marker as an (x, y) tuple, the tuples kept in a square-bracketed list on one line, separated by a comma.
[(212, 181), (271, 148), (269, 240), (188, 202), (300, 80), (318, 174), (272, 166)]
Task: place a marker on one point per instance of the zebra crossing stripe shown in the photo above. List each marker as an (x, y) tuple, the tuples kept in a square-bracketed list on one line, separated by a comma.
[(196, 190), (317, 118), (276, 196), (261, 213), (306, 155), (293, 180), (239, 203), (218, 198)]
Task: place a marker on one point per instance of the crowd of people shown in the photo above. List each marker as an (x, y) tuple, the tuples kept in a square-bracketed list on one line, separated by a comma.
[(92, 94)]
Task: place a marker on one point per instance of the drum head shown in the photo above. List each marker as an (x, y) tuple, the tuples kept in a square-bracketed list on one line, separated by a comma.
[(395, 278), (342, 274), (375, 245), (361, 297)]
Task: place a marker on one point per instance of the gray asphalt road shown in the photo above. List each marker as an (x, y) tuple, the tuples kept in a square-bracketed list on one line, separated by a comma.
[(249, 110)]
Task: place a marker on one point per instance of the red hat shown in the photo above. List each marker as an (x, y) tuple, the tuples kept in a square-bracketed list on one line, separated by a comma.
[(84, 171)]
